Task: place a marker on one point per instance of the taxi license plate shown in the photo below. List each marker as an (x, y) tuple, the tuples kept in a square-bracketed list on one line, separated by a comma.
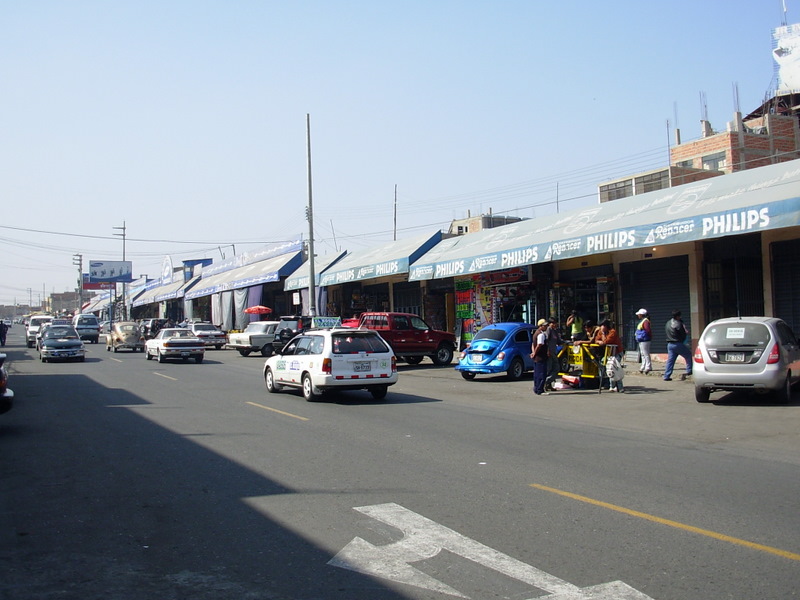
[(734, 356), (361, 367)]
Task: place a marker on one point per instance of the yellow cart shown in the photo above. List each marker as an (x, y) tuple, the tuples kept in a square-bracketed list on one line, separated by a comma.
[(589, 359)]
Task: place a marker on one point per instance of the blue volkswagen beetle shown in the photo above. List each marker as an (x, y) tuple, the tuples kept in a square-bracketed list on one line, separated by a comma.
[(498, 348)]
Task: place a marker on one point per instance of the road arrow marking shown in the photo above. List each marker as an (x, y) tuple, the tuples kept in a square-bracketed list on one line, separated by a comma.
[(424, 539)]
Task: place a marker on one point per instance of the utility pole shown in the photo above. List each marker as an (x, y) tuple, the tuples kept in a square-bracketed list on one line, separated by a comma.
[(124, 306), (312, 289), (77, 260)]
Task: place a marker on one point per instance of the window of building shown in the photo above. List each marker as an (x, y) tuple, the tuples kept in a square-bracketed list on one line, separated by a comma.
[(686, 164), (715, 162), (615, 191), (652, 182)]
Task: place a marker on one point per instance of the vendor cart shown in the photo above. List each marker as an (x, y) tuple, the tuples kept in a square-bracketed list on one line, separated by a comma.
[(587, 361)]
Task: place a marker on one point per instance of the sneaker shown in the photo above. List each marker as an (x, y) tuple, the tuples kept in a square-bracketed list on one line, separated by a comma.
[(667, 379), (685, 375)]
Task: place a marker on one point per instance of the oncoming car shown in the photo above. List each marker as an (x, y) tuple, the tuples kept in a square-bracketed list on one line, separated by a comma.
[(61, 342), (755, 354), (324, 360), (174, 343), (498, 348)]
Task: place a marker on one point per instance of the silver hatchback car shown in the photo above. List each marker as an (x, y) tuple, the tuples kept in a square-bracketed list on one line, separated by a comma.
[(756, 354)]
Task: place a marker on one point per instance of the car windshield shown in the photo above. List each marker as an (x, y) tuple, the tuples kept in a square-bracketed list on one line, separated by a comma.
[(204, 327), (738, 334), (347, 343), (496, 335), (59, 332), (128, 328), (176, 333)]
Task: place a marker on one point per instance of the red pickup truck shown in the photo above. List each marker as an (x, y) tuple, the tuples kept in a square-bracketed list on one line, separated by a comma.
[(410, 337)]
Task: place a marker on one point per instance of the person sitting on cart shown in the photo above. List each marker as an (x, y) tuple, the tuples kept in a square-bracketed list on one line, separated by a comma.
[(590, 333), (608, 336)]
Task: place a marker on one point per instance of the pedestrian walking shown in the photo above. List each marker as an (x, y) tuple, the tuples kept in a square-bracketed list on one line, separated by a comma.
[(539, 354), (644, 336), (677, 333), (3, 332)]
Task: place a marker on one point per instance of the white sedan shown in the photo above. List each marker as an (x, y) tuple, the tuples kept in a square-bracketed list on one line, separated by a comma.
[(175, 343)]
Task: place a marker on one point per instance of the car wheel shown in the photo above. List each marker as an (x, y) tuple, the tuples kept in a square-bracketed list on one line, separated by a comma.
[(82, 359), (116, 349), (218, 347), (269, 379), (784, 394), (468, 375), (198, 358), (517, 369), (379, 391), (267, 350), (161, 357), (43, 359), (443, 356), (413, 360), (244, 352), (308, 389), (147, 355), (702, 394)]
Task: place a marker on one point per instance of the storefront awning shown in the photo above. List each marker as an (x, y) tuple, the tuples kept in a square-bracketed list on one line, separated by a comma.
[(748, 201), (299, 279), (393, 258), (98, 302), (265, 271), (162, 293)]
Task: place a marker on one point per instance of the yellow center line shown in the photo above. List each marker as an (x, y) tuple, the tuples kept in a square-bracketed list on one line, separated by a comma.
[(280, 412), (676, 524), (164, 376)]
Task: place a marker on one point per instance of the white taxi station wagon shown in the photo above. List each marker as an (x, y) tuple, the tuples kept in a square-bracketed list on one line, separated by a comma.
[(325, 360)]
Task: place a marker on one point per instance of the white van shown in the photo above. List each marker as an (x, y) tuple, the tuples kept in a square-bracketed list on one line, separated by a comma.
[(34, 323), (87, 326)]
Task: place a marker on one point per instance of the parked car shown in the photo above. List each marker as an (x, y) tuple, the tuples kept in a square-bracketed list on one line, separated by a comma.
[(257, 337), (175, 342), (61, 342), (323, 360), (87, 326), (209, 334), (32, 328), (6, 393), (410, 337), (125, 334), (287, 328), (498, 348), (756, 354)]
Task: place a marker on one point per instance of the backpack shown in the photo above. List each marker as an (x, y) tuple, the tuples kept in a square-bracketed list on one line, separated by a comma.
[(614, 369)]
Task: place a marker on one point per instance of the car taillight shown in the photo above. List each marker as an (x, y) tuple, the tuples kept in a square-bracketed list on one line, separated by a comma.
[(501, 355), (774, 355), (698, 355), (327, 365), (394, 364), (3, 380), (462, 356)]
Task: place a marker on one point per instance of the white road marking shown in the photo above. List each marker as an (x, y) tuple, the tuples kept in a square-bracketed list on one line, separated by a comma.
[(424, 539), (164, 376)]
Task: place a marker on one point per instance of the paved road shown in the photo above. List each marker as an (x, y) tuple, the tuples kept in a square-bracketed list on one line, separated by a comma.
[(125, 478)]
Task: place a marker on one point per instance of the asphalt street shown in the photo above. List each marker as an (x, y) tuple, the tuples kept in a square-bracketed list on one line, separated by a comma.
[(122, 478)]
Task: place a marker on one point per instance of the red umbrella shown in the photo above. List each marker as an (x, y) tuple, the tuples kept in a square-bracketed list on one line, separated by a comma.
[(258, 310)]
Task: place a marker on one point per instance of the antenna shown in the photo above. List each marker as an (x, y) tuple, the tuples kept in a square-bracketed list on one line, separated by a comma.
[(703, 107), (736, 106)]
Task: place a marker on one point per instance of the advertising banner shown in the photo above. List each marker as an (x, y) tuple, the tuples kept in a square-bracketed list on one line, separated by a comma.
[(112, 271)]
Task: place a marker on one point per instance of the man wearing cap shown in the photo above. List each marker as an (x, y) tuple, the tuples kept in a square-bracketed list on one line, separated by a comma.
[(553, 342), (644, 336), (539, 354)]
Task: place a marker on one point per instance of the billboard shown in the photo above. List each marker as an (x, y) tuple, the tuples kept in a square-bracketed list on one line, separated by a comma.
[(100, 285), (786, 52), (113, 271)]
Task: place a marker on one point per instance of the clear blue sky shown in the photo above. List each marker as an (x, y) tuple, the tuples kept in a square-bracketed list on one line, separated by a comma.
[(186, 120)]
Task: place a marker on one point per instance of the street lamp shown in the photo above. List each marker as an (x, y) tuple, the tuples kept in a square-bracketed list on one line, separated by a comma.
[(77, 260)]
